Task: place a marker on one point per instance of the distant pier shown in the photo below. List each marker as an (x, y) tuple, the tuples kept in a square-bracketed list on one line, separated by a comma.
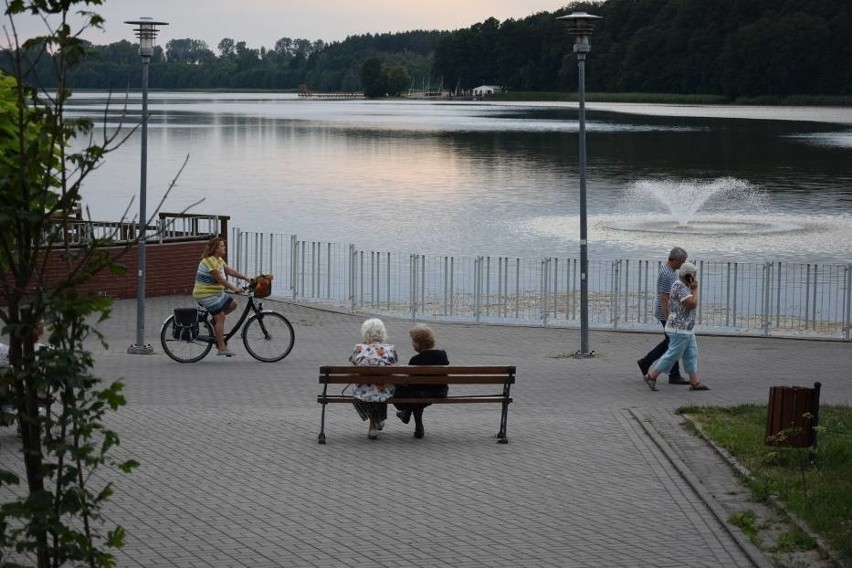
[(305, 93)]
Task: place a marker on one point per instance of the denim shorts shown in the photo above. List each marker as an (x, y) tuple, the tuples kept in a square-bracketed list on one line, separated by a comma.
[(682, 345)]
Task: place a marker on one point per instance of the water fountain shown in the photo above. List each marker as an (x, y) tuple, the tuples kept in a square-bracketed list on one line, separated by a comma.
[(684, 207), (724, 219)]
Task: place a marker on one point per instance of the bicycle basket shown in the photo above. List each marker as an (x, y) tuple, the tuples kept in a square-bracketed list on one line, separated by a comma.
[(263, 286), (186, 324)]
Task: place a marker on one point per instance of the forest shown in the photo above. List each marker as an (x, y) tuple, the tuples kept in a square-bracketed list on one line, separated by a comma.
[(732, 48)]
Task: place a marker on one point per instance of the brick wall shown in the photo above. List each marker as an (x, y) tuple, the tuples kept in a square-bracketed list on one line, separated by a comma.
[(170, 270)]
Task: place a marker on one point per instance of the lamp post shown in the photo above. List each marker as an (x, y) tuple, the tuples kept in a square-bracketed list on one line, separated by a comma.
[(146, 32), (580, 25)]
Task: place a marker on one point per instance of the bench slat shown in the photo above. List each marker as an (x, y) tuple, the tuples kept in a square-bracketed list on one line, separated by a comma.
[(421, 370), (420, 380), (329, 399)]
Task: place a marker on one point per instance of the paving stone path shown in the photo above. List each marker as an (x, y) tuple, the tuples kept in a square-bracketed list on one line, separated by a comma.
[(232, 474)]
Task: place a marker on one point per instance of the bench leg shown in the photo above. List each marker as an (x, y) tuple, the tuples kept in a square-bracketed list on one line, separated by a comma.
[(502, 435), (321, 437)]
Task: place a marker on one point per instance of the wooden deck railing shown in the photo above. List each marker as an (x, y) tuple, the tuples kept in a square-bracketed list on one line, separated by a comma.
[(171, 227)]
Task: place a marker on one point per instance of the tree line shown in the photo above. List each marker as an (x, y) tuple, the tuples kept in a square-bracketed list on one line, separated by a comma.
[(724, 47)]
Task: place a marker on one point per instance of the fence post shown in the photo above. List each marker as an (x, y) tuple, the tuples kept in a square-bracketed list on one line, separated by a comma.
[(816, 271), (766, 310), (734, 304), (235, 248), (446, 284), (477, 288), (388, 273), (412, 285), (847, 323), (615, 292), (328, 270), (487, 285), (452, 283), (361, 277), (517, 294), (701, 295), (544, 282), (294, 263), (351, 273)]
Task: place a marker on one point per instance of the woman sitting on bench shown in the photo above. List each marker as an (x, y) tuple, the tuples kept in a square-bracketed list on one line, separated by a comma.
[(423, 341), (373, 352)]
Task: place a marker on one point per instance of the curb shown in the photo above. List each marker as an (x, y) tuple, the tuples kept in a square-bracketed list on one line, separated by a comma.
[(754, 554)]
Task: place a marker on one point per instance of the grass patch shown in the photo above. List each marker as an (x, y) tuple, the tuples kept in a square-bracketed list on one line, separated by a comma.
[(746, 521), (820, 494)]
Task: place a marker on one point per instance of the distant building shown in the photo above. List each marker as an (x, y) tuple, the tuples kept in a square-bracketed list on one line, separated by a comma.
[(485, 90)]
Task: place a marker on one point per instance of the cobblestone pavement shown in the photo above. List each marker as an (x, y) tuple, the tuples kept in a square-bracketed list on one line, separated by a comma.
[(232, 474)]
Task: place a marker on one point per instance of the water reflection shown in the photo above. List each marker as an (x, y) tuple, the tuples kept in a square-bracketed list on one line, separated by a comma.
[(471, 178)]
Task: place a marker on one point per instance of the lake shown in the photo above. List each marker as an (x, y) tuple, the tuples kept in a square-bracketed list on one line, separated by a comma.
[(727, 183)]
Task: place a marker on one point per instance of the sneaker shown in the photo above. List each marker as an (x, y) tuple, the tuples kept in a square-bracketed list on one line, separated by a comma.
[(419, 432), (381, 425), (643, 366), (225, 354), (372, 433), (677, 380)]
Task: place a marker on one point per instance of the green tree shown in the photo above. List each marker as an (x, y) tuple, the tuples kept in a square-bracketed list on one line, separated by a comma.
[(372, 78), (396, 79), (58, 519)]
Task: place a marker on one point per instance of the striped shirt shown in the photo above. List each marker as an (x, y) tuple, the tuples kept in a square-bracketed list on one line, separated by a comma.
[(665, 279), (205, 284)]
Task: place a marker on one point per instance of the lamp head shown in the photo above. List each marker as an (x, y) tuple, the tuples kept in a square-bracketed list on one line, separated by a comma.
[(580, 25), (146, 32)]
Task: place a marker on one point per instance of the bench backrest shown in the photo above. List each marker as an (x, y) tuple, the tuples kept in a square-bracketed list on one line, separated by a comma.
[(416, 374)]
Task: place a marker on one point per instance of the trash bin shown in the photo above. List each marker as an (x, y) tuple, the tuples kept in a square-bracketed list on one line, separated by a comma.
[(795, 409)]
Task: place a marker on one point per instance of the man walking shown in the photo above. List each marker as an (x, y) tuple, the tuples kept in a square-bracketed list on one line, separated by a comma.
[(665, 279)]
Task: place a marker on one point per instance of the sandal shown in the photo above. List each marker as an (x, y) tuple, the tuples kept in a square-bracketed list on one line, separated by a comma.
[(698, 387), (652, 383)]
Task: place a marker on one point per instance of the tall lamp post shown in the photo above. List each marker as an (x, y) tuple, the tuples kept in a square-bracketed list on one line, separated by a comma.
[(580, 25), (146, 32)]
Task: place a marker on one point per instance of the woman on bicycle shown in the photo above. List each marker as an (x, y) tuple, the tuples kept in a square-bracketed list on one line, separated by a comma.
[(209, 290)]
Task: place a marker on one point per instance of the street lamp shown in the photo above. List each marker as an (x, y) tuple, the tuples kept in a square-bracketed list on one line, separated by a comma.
[(580, 25), (146, 32)]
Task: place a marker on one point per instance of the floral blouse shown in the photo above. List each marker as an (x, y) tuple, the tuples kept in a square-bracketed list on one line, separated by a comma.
[(373, 355), (681, 318)]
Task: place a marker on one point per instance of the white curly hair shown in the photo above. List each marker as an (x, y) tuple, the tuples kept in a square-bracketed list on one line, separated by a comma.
[(373, 331)]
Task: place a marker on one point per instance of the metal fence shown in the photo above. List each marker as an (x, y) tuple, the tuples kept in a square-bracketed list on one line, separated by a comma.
[(770, 298)]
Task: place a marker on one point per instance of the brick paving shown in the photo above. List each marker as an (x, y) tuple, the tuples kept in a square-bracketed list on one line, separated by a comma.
[(232, 474)]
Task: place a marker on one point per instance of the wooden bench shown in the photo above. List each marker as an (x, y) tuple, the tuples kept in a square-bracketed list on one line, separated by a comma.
[(418, 375)]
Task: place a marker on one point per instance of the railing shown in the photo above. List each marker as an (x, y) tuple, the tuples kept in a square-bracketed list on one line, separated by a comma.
[(170, 227), (772, 298)]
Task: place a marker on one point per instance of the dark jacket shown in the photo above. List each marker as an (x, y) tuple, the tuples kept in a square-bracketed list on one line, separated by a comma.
[(430, 357)]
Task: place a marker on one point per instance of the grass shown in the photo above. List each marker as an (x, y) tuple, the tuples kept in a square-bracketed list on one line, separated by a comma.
[(820, 494)]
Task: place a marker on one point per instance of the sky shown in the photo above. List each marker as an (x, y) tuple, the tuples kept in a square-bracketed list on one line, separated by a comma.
[(263, 22)]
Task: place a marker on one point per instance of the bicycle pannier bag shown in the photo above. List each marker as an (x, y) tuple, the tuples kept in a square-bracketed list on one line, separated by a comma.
[(263, 286), (186, 324)]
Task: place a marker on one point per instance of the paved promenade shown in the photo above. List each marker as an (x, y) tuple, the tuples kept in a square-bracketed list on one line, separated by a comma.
[(232, 474)]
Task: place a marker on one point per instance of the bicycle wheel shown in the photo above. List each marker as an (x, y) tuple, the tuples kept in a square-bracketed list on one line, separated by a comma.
[(186, 350), (268, 337)]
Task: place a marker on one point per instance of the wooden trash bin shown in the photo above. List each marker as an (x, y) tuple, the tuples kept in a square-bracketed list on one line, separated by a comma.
[(796, 410)]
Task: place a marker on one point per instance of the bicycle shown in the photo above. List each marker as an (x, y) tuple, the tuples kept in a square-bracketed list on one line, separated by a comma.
[(267, 335)]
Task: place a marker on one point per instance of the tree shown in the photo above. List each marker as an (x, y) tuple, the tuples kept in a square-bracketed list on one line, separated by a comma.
[(186, 50), (226, 47), (58, 520), (396, 80), (372, 78)]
